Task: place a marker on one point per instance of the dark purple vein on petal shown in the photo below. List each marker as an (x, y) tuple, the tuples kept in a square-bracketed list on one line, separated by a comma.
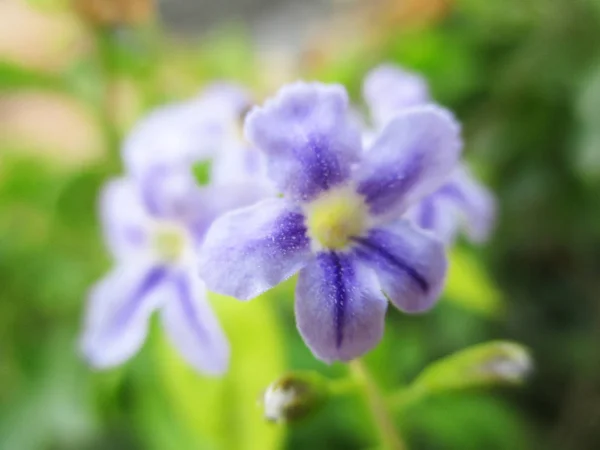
[(394, 261), (183, 290), (124, 314)]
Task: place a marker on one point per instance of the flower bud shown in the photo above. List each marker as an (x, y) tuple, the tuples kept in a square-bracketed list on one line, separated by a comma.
[(294, 396), (492, 363), (511, 363)]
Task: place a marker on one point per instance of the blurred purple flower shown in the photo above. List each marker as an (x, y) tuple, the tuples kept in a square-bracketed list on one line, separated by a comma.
[(206, 129), (388, 90), (154, 223), (338, 220), (153, 271)]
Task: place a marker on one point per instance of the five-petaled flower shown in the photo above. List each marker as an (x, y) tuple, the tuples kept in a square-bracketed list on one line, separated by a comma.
[(154, 222), (388, 90), (338, 222)]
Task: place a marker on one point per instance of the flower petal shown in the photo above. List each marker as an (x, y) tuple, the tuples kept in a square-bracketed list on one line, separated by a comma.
[(414, 155), (193, 327), (175, 196), (476, 203), (170, 193), (340, 309), (161, 150), (119, 306), (215, 200), (388, 89), (436, 214), (309, 137), (250, 250), (174, 136), (181, 134), (411, 265), (239, 163), (124, 219), (236, 161), (227, 100)]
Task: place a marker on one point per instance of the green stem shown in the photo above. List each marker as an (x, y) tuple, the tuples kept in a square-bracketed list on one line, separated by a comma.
[(104, 44), (403, 398), (388, 434)]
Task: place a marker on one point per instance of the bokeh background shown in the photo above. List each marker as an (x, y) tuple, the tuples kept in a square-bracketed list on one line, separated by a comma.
[(523, 76)]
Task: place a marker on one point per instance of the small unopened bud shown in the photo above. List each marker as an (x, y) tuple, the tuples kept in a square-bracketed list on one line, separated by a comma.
[(491, 363), (294, 396), (510, 363)]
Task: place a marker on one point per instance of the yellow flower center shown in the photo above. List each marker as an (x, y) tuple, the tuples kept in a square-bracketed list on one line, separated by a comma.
[(169, 242), (334, 217)]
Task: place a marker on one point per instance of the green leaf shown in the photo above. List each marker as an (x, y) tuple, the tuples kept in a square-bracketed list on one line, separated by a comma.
[(491, 363), (131, 51), (155, 422), (224, 413), (14, 77), (84, 80), (52, 410), (229, 56), (586, 157), (465, 422), (469, 286)]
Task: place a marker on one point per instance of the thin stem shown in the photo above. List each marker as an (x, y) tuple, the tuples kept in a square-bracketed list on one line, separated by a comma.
[(388, 434), (104, 42)]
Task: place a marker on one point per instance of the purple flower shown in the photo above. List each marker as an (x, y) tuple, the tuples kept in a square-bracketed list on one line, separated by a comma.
[(205, 129), (155, 270), (154, 223), (337, 223), (388, 90)]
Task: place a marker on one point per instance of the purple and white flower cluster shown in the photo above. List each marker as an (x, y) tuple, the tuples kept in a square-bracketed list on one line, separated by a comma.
[(362, 215), (339, 221)]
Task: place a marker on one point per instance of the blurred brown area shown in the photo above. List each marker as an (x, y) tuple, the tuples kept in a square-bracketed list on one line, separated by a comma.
[(52, 126), (363, 26), (115, 12), (39, 39)]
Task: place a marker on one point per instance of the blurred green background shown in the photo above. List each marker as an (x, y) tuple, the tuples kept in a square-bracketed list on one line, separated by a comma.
[(522, 75)]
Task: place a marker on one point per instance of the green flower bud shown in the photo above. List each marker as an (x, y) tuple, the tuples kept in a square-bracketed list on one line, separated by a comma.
[(511, 363), (490, 363)]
